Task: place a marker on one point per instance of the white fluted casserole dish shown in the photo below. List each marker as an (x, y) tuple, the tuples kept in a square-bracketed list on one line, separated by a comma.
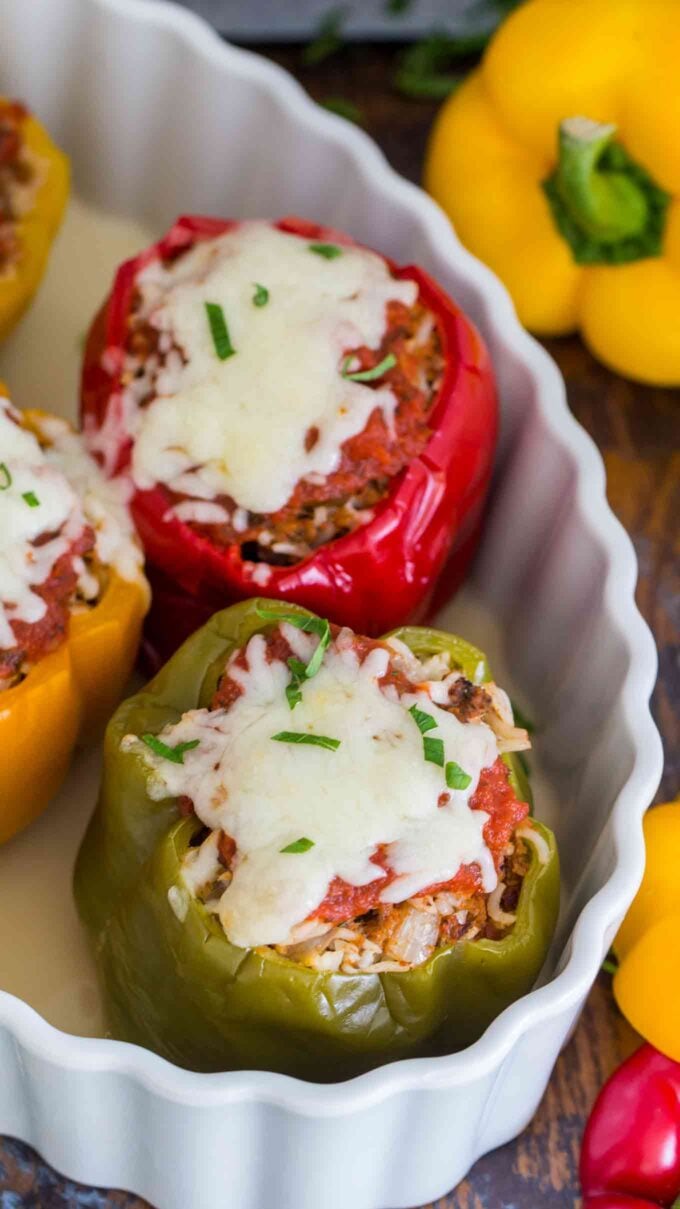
[(161, 118)]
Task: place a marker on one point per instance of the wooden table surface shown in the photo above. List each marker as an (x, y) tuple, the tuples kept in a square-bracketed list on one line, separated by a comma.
[(638, 432)]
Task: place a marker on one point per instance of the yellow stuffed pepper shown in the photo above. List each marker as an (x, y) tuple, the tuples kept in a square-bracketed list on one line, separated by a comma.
[(34, 179), (647, 981), (558, 161), (72, 600)]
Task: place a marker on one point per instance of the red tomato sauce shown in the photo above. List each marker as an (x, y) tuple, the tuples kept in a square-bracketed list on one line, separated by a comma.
[(36, 639), (495, 795), (229, 690)]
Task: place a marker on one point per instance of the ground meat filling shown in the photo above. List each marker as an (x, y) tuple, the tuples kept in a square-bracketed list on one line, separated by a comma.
[(352, 929), (17, 174), (323, 509)]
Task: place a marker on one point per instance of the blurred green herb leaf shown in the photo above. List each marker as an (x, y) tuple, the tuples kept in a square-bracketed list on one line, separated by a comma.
[(344, 108), (395, 8), (328, 39), (424, 69)]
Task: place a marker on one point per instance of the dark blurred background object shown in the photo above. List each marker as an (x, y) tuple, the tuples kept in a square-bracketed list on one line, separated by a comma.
[(299, 20)]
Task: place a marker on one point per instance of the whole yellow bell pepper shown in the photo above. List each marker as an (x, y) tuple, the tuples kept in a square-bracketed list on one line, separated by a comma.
[(35, 228), (67, 696), (647, 981), (558, 161)]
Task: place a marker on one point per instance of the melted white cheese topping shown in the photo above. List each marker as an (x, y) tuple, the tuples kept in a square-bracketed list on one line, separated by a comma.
[(104, 501), (237, 427), (71, 491), (25, 475), (376, 788)]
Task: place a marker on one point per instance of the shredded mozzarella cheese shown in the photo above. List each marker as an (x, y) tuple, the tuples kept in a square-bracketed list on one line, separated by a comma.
[(238, 426), (375, 789)]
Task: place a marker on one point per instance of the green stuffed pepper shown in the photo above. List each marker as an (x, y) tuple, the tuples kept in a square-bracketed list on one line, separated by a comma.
[(312, 851)]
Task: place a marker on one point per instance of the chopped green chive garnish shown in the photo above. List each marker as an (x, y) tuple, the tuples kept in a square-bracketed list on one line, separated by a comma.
[(610, 967), (188, 745), (298, 736), (293, 693), (174, 754), (299, 674), (368, 375), (423, 721), (301, 845), (31, 499), (329, 251), (219, 331), (5, 477), (310, 625), (316, 660), (433, 751), (261, 295), (456, 777)]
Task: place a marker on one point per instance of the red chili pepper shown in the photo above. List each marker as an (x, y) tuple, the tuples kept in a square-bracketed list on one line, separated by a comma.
[(384, 572), (630, 1157)]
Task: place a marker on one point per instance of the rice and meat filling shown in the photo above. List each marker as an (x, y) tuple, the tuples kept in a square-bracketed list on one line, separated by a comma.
[(322, 507), (394, 936), (455, 847)]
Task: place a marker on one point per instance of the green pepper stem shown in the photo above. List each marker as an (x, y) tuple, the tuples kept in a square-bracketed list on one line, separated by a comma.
[(608, 205)]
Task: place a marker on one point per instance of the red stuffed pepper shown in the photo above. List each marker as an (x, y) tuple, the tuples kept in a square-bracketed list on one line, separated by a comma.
[(631, 1148), (297, 415)]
